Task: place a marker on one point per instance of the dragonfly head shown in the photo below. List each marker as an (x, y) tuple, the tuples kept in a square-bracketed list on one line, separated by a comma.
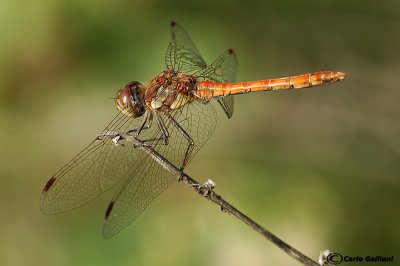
[(130, 99)]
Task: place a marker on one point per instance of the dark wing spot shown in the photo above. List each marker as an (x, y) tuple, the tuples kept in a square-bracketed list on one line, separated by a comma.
[(49, 184), (173, 23), (231, 52), (109, 209)]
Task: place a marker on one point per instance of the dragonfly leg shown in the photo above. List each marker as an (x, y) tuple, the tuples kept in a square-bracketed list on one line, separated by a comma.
[(146, 124), (164, 138), (164, 131), (115, 136), (187, 137)]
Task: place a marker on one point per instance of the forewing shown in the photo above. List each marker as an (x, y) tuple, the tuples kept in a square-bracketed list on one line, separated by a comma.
[(148, 178), (223, 69), (94, 170), (182, 55)]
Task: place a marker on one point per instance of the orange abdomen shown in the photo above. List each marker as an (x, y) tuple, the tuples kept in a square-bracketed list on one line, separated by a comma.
[(207, 90)]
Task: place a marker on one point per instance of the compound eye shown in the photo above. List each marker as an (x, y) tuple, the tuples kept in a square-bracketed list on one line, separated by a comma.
[(124, 100), (130, 99)]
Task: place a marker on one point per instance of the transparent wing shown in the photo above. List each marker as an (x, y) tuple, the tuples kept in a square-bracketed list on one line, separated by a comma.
[(182, 55), (148, 178), (102, 164), (94, 170), (227, 104), (223, 69)]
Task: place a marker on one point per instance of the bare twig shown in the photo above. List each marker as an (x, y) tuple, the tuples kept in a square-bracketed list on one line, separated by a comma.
[(206, 190)]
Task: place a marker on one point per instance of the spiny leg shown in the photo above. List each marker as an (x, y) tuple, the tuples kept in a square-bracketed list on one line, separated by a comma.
[(164, 133), (187, 137), (164, 130), (116, 136), (148, 119)]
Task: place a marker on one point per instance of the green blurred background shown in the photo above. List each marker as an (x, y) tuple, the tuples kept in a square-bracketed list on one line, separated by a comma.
[(318, 167)]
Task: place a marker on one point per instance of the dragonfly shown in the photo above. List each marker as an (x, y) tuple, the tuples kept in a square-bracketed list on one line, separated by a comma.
[(174, 115)]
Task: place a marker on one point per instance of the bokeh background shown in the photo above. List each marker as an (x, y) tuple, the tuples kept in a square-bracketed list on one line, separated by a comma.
[(318, 167)]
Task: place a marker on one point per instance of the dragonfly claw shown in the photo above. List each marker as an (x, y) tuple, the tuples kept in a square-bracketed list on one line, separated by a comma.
[(180, 178), (205, 188), (116, 140), (209, 184)]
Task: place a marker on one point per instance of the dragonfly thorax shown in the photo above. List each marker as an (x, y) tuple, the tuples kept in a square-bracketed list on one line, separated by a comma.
[(130, 99), (170, 90)]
